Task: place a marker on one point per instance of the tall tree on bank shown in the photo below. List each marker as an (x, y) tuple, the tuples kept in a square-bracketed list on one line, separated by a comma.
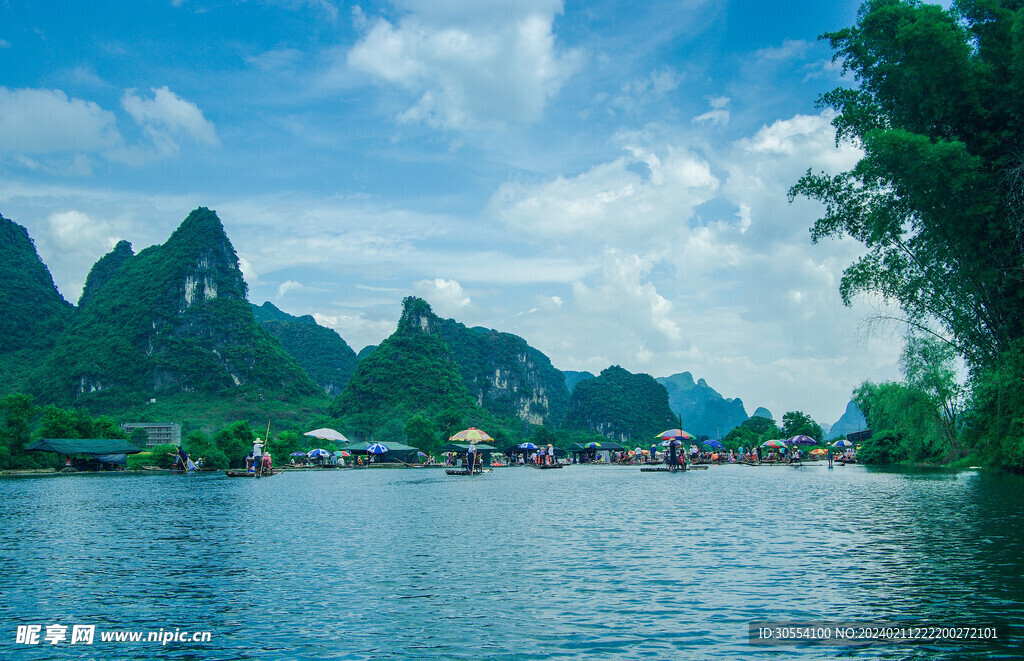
[(938, 198)]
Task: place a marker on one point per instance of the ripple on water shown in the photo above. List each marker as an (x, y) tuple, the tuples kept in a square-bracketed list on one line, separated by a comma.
[(587, 562)]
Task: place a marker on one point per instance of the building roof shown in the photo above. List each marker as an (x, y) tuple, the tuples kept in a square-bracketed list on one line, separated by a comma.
[(84, 446)]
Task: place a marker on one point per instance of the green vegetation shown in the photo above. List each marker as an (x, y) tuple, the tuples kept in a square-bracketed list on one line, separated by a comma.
[(621, 406), (505, 374), (321, 352), (937, 200), (103, 270), (751, 433), (172, 318), (34, 312), (917, 420), (797, 422)]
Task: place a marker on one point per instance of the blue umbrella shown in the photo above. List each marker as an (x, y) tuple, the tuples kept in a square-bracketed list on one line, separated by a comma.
[(527, 446), (297, 454), (714, 443), (842, 444), (376, 448), (318, 453), (801, 439)]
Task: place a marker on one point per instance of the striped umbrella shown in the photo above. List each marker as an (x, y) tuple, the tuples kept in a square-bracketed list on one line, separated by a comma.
[(377, 448), (678, 434), (471, 434)]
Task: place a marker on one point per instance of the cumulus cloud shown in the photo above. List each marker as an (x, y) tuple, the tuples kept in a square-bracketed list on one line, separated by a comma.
[(42, 121), (469, 64), (626, 201), (167, 117), (446, 296), (289, 286)]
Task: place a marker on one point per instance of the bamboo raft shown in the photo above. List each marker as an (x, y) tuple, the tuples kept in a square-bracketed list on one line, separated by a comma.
[(465, 471), (666, 469), (546, 466), (243, 473)]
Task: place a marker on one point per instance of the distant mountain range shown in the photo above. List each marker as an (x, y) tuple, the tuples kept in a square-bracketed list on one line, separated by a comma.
[(174, 318), (703, 410)]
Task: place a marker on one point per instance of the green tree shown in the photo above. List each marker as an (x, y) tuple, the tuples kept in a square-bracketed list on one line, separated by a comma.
[(907, 415), (798, 422), (420, 432), (199, 446), (16, 413), (929, 367), (938, 197), (753, 431), (235, 441)]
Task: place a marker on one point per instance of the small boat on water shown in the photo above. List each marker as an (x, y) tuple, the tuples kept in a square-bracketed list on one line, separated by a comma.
[(546, 466), (245, 473), (465, 471)]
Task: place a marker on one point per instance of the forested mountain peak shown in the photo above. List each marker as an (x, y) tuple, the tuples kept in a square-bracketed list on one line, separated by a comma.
[(104, 269), (621, 406), (417, 317), (320, 351), (172, 318), (34, 312)]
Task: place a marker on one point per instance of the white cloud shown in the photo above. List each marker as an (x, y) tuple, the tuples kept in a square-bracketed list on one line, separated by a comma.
[(166, 117), (790, 49), (446, 296), (289, 286), (719, 113), (470, 65), (41, 121), (627, 202)]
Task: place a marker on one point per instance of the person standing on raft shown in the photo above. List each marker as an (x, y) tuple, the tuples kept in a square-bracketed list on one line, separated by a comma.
[(673, 455), (471, 456)]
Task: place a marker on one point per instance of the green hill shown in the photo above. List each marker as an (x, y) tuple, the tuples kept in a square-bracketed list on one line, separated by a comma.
[(103, 270), (703, 410), (573, 378), (621, 406), (506, 375), (412, 371), (33, 312), (321, 352), (172, 319)]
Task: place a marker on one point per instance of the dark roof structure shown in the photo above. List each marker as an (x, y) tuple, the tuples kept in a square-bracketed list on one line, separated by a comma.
[(93, 446)]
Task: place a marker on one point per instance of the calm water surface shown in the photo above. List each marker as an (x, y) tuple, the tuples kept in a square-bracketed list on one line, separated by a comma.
[(586, 562)]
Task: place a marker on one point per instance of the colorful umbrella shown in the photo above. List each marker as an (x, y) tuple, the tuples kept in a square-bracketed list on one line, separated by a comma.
[(471, 434), (346, 453), (318, 453), (819, 451), (774, 443), (376, 448), (801, 439), (297, 454), (843, 443), (592, 445), (677, 434)]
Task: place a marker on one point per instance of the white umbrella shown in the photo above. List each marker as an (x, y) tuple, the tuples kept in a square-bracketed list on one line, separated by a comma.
[(327, 434)]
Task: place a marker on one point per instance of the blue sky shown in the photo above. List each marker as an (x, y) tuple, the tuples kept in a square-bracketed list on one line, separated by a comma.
[(606, 179)]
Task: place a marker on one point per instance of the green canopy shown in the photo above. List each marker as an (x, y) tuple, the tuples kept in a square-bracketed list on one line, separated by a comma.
[(93, 446)]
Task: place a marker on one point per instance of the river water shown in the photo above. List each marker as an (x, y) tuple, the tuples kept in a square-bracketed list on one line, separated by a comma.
[(585, 562)]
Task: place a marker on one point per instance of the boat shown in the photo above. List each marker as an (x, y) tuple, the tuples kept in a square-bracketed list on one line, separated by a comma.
[(465, 471), (545, 466), (666, 469), (245, 473)]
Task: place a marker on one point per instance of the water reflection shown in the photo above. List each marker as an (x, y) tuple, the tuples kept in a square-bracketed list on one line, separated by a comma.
[(586, 562)]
